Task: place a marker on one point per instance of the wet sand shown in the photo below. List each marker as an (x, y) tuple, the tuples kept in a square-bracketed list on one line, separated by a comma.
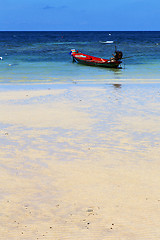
[(80, 162)]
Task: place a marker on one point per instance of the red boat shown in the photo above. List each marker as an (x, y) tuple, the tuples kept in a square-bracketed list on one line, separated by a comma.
[(81, 58)]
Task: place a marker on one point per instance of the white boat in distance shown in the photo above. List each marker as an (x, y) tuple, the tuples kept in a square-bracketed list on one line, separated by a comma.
[(108, 42)]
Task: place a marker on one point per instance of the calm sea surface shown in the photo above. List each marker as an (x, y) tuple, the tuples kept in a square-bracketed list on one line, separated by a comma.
[(44, 56)]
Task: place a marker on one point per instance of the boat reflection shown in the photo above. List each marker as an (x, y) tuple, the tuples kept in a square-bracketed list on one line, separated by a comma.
[(117, 85)]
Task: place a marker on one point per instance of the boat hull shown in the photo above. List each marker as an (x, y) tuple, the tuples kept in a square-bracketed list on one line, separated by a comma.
[(107, 64), (94, 61)]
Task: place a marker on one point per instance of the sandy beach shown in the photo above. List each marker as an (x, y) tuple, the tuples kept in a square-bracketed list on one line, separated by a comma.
[(80, 162)]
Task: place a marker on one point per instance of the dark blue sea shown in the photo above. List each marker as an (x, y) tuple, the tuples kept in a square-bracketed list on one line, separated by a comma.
[(44, 56)]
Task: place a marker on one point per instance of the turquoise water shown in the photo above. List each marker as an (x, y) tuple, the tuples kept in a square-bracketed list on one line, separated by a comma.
[(44, 56)]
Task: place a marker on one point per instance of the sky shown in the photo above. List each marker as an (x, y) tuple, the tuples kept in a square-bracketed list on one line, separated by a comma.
[(80, 15)]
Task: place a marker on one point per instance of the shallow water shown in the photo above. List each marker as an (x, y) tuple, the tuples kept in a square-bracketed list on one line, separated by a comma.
[(117, 118)]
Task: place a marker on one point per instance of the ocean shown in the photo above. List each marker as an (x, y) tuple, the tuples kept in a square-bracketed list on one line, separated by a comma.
[(44, 56)]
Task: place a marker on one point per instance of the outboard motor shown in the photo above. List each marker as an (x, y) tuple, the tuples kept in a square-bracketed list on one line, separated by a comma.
[(118, 55)]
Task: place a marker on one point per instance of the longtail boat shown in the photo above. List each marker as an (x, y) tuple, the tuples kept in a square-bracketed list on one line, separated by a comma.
[(81, 58)]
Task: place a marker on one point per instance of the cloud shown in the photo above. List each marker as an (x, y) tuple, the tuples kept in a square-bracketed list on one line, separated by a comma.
[(48, 7)]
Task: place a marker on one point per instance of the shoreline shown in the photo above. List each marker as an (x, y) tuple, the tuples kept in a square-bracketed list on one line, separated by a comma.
[(84, 81)]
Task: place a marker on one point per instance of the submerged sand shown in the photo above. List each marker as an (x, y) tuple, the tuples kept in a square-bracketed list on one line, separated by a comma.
[(80, 162)]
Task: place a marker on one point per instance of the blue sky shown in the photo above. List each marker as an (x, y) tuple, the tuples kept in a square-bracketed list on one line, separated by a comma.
[(72, 15)]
